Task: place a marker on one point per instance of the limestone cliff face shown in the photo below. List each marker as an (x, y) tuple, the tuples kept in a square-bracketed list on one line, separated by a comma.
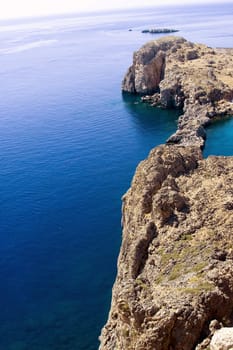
[(174, 284), (184, 75), (175, 272)]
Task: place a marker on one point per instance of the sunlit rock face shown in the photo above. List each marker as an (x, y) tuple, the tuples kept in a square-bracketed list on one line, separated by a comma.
[(174, 285), (175, 73)]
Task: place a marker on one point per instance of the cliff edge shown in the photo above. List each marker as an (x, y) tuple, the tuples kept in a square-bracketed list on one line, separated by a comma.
[(173, 72), (174, 284)]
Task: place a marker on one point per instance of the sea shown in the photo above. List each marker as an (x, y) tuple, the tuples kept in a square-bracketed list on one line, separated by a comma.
[(69, 146)]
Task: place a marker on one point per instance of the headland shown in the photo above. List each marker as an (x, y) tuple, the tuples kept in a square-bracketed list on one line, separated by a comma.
[(174, 285)]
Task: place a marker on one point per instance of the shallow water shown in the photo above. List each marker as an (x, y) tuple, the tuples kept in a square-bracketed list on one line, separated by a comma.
[(69, 145)]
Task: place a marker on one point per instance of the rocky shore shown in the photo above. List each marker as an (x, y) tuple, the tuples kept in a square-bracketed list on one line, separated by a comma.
[(175, 73), (174, 285)]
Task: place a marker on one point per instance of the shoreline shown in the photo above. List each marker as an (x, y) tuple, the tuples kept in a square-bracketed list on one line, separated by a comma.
[(186, 76), (177, 215)]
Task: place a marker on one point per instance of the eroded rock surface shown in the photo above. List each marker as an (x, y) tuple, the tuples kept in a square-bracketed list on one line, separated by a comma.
[(222, 339), (193, 77), (175, 272), (174, 286)]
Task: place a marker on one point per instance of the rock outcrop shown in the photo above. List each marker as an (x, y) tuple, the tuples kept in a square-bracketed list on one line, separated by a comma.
[(193, 77), (222, 339), (174, 286)]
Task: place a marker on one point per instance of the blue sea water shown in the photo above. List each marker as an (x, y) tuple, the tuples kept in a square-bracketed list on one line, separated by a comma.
[(69, 145)]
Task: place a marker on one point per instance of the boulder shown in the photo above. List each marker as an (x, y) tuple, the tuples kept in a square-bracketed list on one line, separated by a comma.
[(222, 339)]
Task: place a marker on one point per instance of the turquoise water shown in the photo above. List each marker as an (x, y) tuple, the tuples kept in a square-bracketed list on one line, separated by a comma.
[(219, 138), (69, 145)]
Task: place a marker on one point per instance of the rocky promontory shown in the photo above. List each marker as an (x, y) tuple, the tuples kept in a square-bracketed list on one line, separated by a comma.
[(174, 73), (174, 285)]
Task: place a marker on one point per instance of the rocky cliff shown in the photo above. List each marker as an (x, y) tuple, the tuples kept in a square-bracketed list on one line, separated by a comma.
[(193, 77), (174, 284)]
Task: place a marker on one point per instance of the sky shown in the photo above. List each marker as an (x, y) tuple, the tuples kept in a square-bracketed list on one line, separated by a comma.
[(30, 8)]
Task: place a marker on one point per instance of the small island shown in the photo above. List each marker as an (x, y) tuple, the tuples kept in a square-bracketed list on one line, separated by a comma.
[(160, 31)]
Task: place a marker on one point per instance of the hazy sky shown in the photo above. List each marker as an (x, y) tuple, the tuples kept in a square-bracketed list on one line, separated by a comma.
[(23, 8)]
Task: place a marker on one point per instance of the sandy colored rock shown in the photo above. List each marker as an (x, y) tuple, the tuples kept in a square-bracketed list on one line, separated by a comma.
[(193, 77), (222, 339), (175, 270), (174, 284)]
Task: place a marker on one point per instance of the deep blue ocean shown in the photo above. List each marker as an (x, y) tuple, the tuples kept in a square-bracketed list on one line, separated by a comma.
[(69, 146)]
